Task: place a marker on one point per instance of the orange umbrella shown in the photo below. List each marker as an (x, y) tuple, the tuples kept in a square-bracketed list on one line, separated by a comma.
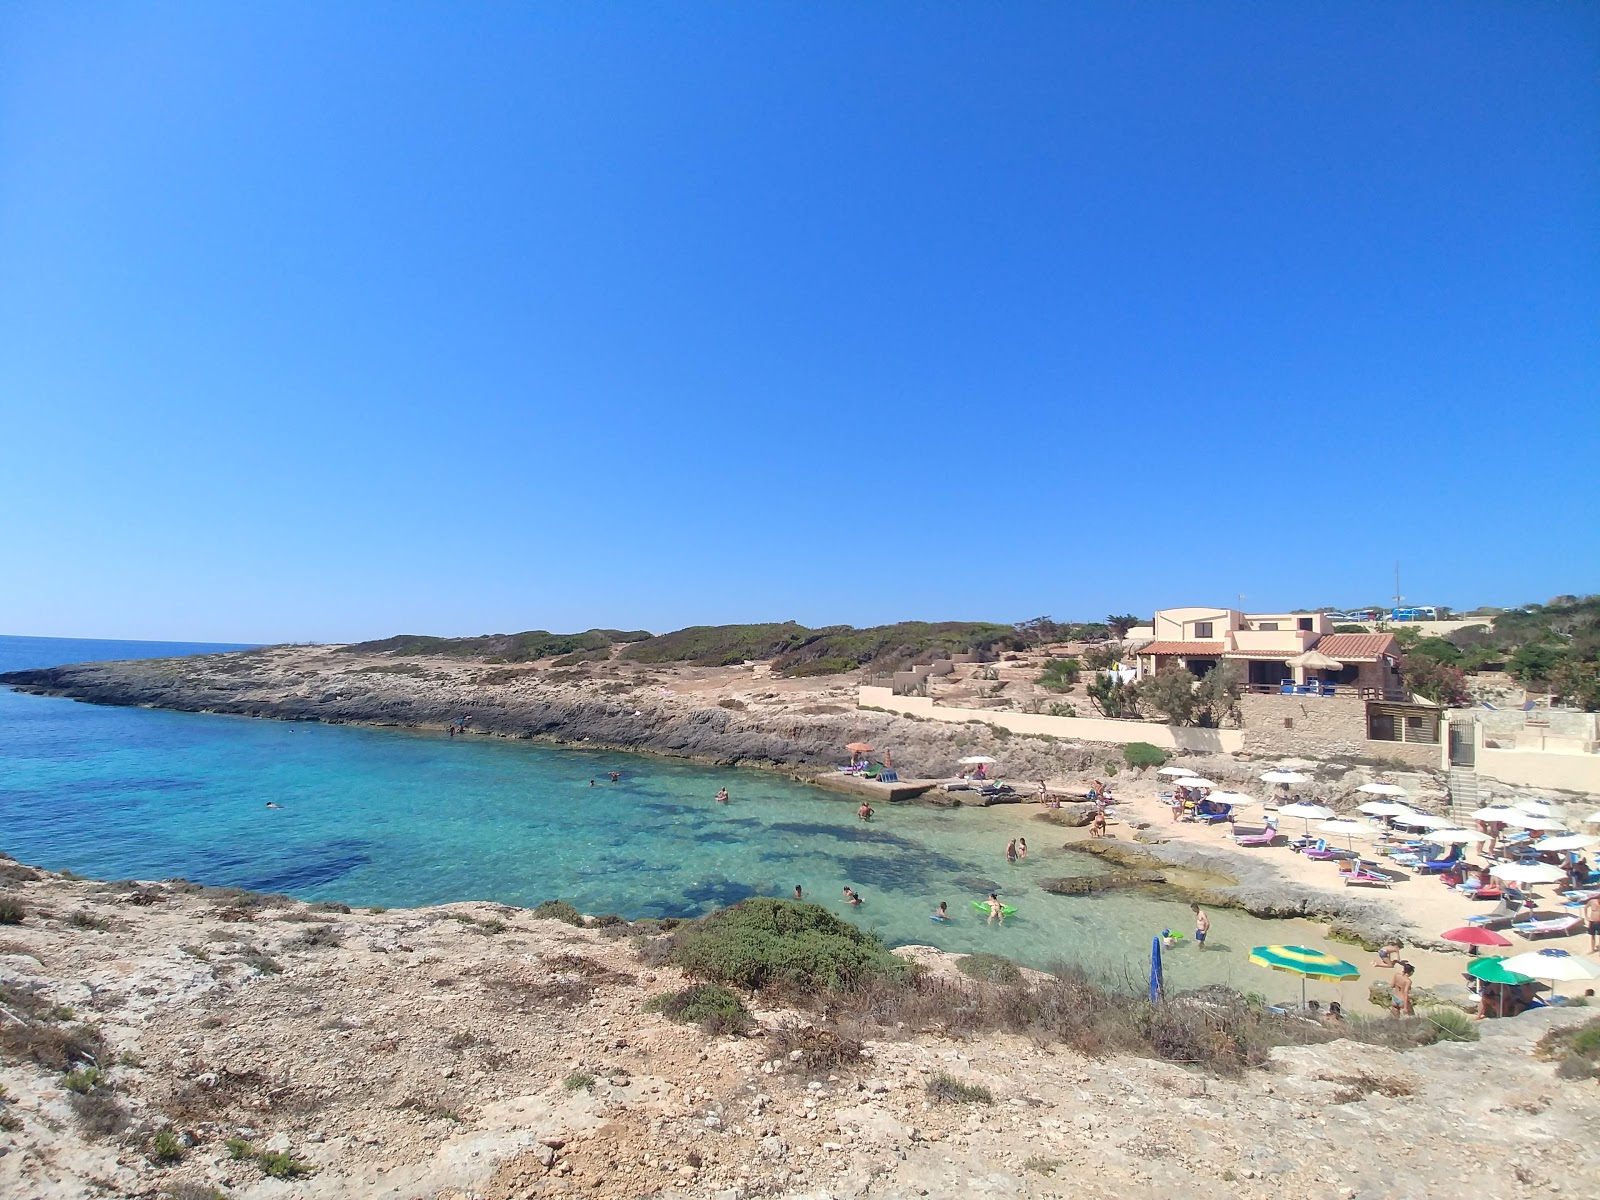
[(859, 748)]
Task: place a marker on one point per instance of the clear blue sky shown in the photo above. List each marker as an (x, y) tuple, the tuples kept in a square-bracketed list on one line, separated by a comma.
[(334, 321)]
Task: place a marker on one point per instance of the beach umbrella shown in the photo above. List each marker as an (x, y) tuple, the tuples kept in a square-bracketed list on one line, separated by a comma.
[(1592, 819), (859, 748), (1157, 979), (1382, 789), (974, 759), (1422, 820), (1475, 936), (1304, 962), (1285, 777), (1385, 808), (1306, 812), (1197, 781), (1461, 836), (1495, 812), (1558, 966), (1528, 821), (1566, 841), (1539, 808), (1176, 771), (1349, 830), (1527, 872), (1491, 969), (1234, 798)]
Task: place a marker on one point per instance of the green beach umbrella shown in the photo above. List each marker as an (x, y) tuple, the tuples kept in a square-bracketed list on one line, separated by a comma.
[(1491, 969), (1304, 962)]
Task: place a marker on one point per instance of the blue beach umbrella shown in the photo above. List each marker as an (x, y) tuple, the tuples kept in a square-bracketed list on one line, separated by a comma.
[(1157, 980)]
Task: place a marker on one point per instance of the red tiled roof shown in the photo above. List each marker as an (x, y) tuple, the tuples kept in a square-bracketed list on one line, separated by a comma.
[(1209, 649), (1365, 646)]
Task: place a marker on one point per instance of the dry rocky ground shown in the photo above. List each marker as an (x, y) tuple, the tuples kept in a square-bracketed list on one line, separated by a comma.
[(477, 1051)]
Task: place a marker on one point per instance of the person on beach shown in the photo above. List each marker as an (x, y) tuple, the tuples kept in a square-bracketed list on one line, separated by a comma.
[(1011, 851), (722, 796), (1591, 915), (942, 913), (852, 897), (798, 894), (1401, 1005), (1044, 792), (996, 911), (865, 811), (1388, 956), (1022, 848), (1202, 926), (1097, 827)]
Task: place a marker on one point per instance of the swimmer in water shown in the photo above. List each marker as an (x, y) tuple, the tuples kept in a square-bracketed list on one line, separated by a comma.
[(1022, 848), (865, 811), (798, 895), (270, 804), (722, 796), (996, 913), (1011, 851), (851, 896), (942, 913)]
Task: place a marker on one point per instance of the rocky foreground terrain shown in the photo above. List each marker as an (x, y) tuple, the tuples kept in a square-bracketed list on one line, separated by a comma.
[(259, 1047)]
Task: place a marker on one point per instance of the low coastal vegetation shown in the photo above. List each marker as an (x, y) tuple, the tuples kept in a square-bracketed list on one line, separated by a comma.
[(500, 647), (1575, 1050), (802, 955), (714, 1008)]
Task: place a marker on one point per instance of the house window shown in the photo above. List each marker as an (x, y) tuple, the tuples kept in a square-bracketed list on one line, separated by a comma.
[(1266, 626), (1202, 629), (1306, 624)]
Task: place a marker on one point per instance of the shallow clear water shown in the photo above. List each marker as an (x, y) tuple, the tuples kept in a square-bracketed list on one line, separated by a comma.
[(384, 817)]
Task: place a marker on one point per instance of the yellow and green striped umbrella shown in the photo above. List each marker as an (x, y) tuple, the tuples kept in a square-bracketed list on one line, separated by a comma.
[(1304, 962)]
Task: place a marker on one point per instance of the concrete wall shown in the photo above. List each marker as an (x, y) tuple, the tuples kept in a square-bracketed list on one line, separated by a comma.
[(1083, 729), (1565, 763)]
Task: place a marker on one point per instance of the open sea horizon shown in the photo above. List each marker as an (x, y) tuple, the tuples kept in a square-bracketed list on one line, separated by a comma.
[(396, 818)]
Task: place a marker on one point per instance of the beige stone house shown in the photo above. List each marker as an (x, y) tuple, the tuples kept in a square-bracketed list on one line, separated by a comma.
[(1289, 653)]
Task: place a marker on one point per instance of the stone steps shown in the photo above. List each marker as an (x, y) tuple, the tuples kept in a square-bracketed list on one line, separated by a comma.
[(1464, 794)]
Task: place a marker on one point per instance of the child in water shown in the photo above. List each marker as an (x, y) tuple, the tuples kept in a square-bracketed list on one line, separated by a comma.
[(942, 913)]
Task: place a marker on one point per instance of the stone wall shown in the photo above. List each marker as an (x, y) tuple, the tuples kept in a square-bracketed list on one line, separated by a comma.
[(1321, 727)]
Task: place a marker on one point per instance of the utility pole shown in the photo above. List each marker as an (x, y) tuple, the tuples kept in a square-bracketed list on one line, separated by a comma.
[(1397, 596)]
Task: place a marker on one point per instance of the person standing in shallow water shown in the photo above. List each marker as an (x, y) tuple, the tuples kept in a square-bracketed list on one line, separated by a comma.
[(1202, 926), (1011, 851), (798, 894)]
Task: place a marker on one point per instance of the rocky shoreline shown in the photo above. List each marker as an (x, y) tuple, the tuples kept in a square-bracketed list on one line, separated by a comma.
[(167, 1040)]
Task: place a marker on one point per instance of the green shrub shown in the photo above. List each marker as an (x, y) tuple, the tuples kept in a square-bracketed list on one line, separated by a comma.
[(280, 1165), (83, 1080), (991, 968), (1142, 754), (12, 912), (764, 942), (950, 1090), (1059, 674), (1451, 1024), (709, 1005), (578, 1081), (239, 1149), (558, 910), (166, 1147)]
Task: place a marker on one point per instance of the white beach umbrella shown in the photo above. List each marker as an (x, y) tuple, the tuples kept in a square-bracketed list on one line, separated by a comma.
[(1176, 771), (1285, 777), (1528, 821), (1382, 789), (1495, 812), (1455, 836), (1422, 820), (1527, 872), (1533, 804), (973, 759), (1558, 966), (1566, 841), (1196, 781), (1385, 808), (1307, 811), (1349, 830), (1233, 798)]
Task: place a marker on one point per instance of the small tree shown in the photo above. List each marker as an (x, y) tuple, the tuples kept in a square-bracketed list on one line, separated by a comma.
[(1436, 681), (1119, 626), (1171, 693), (1576, 683), (1059, 674), (1218, 696), (1534, 662), (1102, 657), (1438, 649), (1113, 698)]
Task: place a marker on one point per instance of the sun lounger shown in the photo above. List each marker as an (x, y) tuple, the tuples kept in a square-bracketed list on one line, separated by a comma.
[(1218, 812), (1498, 917), (1256, 837), (1546, 926), (1364, 878)]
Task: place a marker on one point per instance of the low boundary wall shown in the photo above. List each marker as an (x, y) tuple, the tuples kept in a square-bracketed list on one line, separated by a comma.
[(1081, 729)]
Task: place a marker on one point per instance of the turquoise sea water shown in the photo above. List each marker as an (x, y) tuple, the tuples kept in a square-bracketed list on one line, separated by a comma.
[(385, 817)]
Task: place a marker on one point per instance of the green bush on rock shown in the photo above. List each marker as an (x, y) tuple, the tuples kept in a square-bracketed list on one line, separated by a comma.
[(763, 942), (1143, 754), (709, 1005)]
